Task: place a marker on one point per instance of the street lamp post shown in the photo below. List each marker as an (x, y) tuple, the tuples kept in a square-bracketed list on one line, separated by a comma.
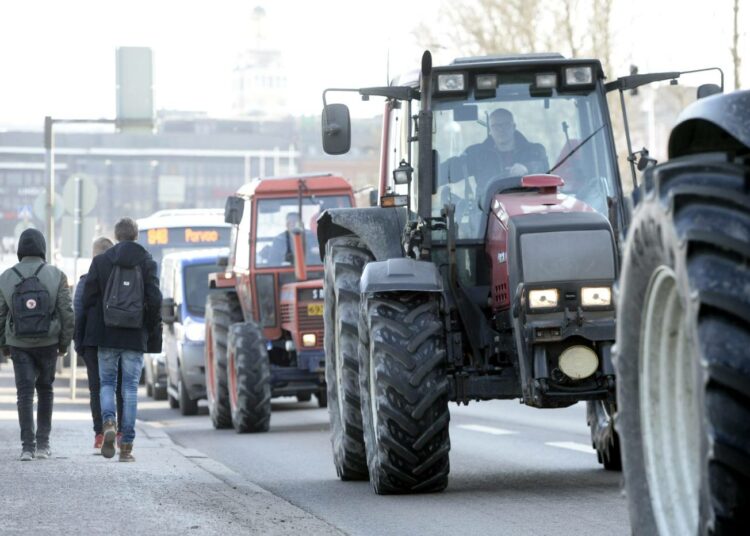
[(49, 161)]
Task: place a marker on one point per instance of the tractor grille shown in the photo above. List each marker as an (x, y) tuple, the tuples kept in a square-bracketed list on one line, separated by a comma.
[(501, 295), (287, 313), (310, 324)]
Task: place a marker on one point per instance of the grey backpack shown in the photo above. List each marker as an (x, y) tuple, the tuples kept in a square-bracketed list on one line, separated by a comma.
[(123, 298)]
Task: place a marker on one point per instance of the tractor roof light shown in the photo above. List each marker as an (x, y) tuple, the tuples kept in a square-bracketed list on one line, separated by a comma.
[(486, 82), (579, 76), (546, 81), (451, 82)]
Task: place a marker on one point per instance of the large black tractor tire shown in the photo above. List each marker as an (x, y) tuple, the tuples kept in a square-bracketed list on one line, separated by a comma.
[(604, 438), (222, 310), (404, 393), (249, 373), (188, 406), (683, 364), (345, 259)]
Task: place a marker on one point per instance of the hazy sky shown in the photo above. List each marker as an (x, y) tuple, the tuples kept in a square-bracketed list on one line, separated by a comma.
[(57, 57)]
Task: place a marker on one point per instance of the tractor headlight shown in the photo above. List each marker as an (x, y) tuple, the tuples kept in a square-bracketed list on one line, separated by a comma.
[(578, 362), (195, 331), (596, 296), (309, 340), (543, 299), (451, 82), (579, 76)]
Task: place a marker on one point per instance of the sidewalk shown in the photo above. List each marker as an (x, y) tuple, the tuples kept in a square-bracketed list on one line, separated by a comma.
[(168, 490)]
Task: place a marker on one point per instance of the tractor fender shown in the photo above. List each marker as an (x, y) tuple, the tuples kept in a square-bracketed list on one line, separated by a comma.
[(379, 228), (715, 123), (401, 274)]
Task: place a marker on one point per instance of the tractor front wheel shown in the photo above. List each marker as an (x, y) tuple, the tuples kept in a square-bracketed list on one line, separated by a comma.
[(404, 392), (249, 372)]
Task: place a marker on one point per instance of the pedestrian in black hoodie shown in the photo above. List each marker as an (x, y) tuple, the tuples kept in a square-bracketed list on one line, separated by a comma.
[(33, 336), (87, 349), (122, 345)]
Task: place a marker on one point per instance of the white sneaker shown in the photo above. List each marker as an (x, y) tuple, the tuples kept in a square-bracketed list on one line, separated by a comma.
[(43, 453), (27, 456)]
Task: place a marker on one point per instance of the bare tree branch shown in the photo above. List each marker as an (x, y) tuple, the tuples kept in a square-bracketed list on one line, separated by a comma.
[(736, 60)]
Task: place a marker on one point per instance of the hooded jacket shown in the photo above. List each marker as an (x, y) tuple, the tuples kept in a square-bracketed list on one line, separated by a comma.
[(95, 333), (32, 250)]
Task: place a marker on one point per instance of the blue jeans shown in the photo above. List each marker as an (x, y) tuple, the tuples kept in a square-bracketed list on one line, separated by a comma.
[(131, 363)]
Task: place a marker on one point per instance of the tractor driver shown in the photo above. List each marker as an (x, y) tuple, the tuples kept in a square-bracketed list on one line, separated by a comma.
[(505, 153), (281, 247)]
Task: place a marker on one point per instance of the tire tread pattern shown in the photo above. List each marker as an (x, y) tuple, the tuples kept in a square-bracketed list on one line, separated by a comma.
[(408, 449), (345, 260), (253, 372)]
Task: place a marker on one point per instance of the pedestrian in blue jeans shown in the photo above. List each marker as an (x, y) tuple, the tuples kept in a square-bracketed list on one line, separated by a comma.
[(123, 304), (89, 353)]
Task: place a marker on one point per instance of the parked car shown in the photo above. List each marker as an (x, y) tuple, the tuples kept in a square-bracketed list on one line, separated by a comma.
[(184, 286)]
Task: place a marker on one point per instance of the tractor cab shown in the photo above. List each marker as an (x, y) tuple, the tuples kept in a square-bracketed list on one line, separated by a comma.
[(274, 248)]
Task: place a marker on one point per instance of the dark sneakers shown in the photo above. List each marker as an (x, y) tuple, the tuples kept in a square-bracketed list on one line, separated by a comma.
[(126, 452), (110, 433)]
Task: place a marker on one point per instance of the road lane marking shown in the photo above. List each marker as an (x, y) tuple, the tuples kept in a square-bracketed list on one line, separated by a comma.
[(570, 445), (486, 429)]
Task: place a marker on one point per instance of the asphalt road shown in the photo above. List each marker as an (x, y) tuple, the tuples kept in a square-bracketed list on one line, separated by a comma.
[(514, 471)]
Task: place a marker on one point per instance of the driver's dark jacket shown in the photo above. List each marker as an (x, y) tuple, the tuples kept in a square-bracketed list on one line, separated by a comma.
[(281, 249), (484, 161)]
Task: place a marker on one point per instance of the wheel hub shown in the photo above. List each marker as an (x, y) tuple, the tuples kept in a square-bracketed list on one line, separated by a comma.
[(668, 409)]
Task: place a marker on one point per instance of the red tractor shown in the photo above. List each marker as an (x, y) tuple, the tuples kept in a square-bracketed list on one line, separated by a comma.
[(486, 272), (264, 321)]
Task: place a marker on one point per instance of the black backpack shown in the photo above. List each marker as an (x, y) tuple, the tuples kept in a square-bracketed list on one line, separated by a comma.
[(30, 306), (123, 298)]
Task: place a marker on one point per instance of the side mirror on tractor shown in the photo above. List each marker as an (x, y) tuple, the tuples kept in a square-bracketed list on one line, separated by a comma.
[(233, 210), (337, 137), (706, 90)]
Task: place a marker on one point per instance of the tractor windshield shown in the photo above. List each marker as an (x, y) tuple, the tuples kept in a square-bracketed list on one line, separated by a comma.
[(277, 218), (516, 132)]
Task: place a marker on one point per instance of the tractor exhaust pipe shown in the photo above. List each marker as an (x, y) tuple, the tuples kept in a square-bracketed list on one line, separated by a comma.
[(426, 183)]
